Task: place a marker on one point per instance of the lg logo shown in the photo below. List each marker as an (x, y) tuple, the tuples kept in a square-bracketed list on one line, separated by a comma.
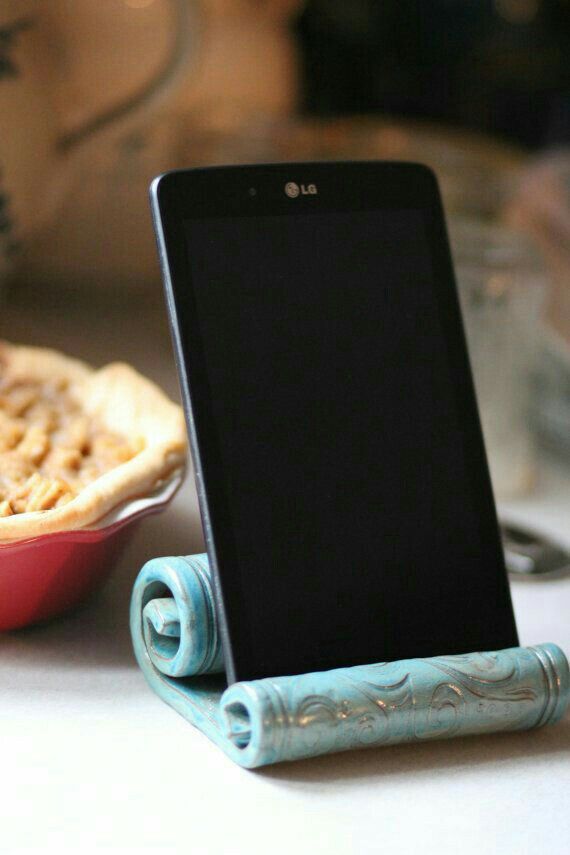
[(293, 190)]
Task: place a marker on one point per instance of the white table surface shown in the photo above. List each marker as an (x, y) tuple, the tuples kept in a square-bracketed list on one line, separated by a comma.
[(92, 760)]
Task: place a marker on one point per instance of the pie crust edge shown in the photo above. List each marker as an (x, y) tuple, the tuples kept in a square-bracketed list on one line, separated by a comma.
[(125, 402)]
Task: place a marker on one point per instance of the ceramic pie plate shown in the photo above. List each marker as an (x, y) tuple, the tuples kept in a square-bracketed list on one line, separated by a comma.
[(46, 576)]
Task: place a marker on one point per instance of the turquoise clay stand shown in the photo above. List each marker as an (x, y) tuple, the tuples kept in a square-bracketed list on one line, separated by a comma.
[(177, 645)]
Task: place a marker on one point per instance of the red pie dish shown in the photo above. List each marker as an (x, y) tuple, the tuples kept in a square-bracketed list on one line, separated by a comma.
[(84, 454), (47, 576)]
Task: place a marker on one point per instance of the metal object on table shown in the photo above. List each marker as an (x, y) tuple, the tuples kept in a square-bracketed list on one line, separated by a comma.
[(529, 553)]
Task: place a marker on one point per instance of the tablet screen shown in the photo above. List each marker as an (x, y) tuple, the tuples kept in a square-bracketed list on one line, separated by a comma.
[(347, 476)]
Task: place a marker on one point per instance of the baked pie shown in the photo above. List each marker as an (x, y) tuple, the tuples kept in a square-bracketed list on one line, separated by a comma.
[(75, 443)]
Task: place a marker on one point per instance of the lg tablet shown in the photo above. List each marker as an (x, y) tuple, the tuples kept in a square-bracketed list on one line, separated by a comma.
[(338, 455)]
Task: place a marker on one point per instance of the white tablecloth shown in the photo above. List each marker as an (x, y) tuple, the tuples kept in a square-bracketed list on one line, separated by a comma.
[(91, 760)]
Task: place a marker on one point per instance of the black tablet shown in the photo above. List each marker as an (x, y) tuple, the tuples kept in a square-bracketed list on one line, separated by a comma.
[(339, 462)]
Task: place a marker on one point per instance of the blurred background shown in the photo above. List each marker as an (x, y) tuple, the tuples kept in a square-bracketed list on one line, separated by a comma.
[(98, 97)]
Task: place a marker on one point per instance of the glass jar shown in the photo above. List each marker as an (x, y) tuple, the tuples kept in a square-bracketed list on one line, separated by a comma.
[(501, 283)]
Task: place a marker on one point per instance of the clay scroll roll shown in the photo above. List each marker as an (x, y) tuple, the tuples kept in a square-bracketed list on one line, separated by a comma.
[(178, 647)]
